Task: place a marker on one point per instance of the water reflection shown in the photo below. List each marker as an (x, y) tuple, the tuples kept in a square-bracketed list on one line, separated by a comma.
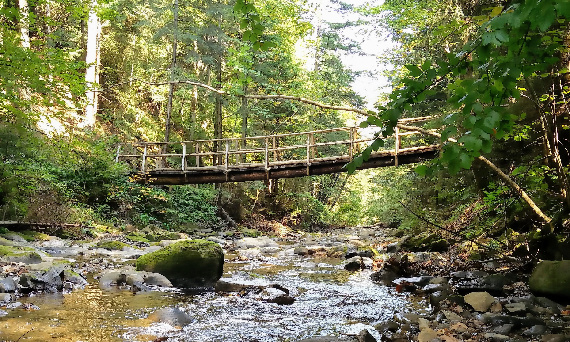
[(86, 315)]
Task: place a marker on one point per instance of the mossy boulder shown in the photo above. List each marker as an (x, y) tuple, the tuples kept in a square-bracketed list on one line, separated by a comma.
[(551, 279), (426, 242), (187, 263), (112, 245), (19, 254)]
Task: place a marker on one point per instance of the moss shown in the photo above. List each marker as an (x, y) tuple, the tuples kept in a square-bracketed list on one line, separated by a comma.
[(136, 237), (186, 262), (112, 245), (23, 254), (29, 235)]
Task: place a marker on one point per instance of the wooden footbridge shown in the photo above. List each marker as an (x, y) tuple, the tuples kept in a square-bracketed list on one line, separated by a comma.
[(265, 157)]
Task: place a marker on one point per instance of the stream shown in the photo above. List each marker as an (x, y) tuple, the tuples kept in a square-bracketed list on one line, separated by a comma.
[(329, 301)]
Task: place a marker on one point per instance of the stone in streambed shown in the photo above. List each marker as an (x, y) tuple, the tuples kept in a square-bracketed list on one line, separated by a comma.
[(171, 316), (186, 263), (551, 279), (480, 301)]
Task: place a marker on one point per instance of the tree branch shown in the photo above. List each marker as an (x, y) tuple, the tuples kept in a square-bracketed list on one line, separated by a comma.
[(493, 167)]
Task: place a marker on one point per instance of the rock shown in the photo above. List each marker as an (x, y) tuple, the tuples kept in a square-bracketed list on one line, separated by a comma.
[(555, 338), (393, 247), (327, 339), (480, 301), (186, 263), (301, 251), (365, 336), (535, 330), (493, 284), (171, 316), (156, 279), (262, 241), (428, 335), (384, 277), (459, 327), (74, 278), (3, 313), (516, 307), (496, 337), (7, 284), (5, 298), (14, 237), (276, 295), (504, 329), (387, 326), (418, 281), (423, 323), (354, 264), (46, 280), (551, 279), (24, 255), (452, 316)]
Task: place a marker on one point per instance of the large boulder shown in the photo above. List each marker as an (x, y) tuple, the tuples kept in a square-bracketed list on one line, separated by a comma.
[(187, 263), (551, 278)]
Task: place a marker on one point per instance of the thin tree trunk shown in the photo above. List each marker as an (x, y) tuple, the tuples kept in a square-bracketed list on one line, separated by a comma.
[(92, 61), (172, 73), (218, 116), (493, 167), (24, 23)]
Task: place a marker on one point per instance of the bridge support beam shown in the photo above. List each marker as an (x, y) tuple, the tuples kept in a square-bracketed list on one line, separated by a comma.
[(288, 171)]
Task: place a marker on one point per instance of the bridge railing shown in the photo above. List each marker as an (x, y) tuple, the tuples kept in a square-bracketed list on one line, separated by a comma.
[(258, 151)]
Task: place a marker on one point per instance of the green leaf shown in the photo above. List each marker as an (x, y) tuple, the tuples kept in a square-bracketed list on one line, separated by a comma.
[(377, 144), (502, 36), (421, 170), (415, 71), (364, 124), (465, 161)]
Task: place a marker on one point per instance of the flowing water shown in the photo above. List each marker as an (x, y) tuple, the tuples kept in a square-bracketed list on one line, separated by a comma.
[(329, 301)]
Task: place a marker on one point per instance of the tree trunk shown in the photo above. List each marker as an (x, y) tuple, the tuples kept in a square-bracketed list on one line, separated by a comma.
[(24, 24), (218, 116), (501, 174), (172, 73), (92, 61)]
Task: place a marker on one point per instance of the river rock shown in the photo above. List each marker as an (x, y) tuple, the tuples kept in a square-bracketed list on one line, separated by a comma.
[(7, 284), (262, 241), (156, 279), (551, 279), (365, 336), (186, 263), (480, 301), (427, 335), (171, 316), (49, 279), (276, 295), (328, 339), (24, 255), (354, 264)]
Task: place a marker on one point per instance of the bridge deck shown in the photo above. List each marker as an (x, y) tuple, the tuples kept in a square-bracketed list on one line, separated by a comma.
[(262, 157)]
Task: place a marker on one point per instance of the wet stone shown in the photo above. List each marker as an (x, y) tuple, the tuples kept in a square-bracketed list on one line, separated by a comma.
[(365, 336), (535, 330), (7, 285), (496, 337), (504, 329), (516, 307)]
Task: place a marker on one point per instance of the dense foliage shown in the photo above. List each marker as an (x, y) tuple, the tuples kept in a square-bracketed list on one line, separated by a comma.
[(493, 77)]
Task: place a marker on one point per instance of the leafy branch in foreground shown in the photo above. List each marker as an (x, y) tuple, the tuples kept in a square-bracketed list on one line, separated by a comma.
[(520, 41)]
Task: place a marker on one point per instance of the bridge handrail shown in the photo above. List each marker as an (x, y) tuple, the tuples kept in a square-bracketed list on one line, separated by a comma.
[(221, 158)]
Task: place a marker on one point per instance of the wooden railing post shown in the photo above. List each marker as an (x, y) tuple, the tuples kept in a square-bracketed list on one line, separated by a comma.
[(308, 153), (118, 153), (397, 147), (351, 151), (227, 155), (197, 154), (275, 153), (143, 165), (312, 140), (266, 153), (183, 156)]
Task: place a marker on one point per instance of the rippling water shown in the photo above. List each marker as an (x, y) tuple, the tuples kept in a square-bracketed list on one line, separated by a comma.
[(329, 301)]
